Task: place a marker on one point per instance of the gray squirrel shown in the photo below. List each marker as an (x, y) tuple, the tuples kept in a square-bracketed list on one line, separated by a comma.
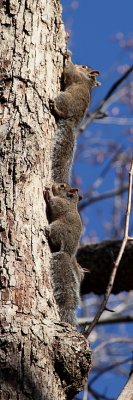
[(69, 108), (65, 226), (63, 235)]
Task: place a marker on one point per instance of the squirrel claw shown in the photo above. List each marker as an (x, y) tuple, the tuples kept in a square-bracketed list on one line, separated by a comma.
[(46, 231), (51, 105), (46, 194)]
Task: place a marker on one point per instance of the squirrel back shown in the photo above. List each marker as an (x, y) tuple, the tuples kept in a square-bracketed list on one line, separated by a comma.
[(65, 228)]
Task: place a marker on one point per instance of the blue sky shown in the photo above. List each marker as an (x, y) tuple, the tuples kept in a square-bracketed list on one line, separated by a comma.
[(93, 25)]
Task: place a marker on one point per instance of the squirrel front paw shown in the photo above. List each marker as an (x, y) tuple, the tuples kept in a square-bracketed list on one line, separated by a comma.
[(53, 109), (67, 56), (46, 232), (51, 105), (46, 194)]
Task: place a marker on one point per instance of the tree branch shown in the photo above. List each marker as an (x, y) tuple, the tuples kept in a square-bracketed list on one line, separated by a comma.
[(97, 259), (118, 259), (105, 369), (102, 196), (110, 320)]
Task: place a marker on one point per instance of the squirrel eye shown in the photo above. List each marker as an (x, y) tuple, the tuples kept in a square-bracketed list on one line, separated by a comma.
[(62, 186)]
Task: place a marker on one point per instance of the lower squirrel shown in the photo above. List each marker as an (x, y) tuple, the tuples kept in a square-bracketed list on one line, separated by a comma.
[(63, 235), (69, 108), (65, 228)]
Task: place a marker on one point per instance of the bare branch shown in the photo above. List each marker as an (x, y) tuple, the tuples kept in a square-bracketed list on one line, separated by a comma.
[(102, 196), (104, 172), (85, 395), (118, 95), (109, 368), (113, 340), (126, 237), (98, 396), (115, 121), (97, 259), (117, 262), (116, 84), (109, 320)]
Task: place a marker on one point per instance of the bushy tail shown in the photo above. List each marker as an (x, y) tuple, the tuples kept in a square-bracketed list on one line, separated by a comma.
[(63, 151), (66, 286)]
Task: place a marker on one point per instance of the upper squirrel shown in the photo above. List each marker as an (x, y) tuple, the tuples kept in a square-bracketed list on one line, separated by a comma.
[(69, 108)]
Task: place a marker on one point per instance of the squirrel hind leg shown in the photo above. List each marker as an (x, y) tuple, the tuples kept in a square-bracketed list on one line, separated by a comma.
[(54, 247), (68, 316), (54, 240)]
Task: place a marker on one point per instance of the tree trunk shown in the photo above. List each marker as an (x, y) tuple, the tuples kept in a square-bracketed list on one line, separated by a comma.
[(41, 358)]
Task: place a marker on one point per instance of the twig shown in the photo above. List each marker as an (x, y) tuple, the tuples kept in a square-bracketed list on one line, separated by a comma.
[(105, 99), (109, 320), (115, 120), (110, 341), (117, 95), (97, 395), (118, 259), (102, 196), (109, 368), (85, 395), (104, 171)]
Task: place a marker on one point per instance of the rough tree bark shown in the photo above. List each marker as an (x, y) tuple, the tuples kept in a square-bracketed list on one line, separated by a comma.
[(41, 358)]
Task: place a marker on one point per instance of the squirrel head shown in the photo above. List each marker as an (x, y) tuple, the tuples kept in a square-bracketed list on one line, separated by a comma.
[(90, 74), (75, 73), (60, 189), (66, 191)]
